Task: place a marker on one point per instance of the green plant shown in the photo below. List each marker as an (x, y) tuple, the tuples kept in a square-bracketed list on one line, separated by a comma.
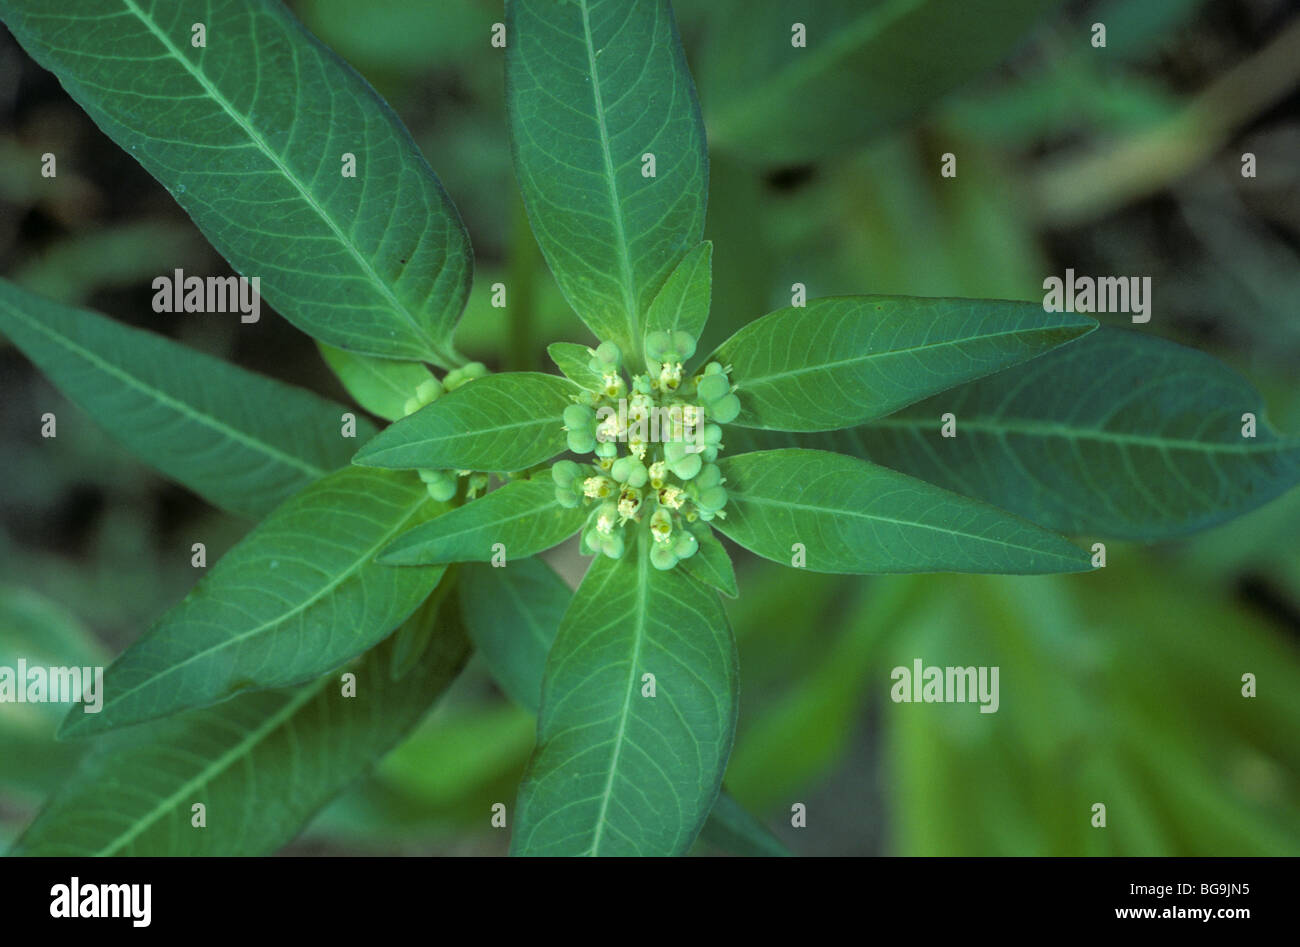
[(820, 438)]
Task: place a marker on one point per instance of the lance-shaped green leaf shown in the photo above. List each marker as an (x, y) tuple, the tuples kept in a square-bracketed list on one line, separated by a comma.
[(840, 514), (609, 151), (781, 87), (520, 519), (683, 303), (261, 764), (617, 771), (298, 595), (711, 564), (498, 423), (512, 615), (842, 360), (382, 386), (574, 361), (1120, 434), (255, 133), (240, 440)]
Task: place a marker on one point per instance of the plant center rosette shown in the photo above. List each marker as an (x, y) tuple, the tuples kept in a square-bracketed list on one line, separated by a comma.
[(652, 445)]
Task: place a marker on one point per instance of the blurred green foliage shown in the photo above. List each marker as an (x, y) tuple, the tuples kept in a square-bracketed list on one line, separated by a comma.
[(1120, 687)]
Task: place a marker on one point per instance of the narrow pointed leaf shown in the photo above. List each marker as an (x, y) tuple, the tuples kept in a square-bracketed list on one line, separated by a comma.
[(854, 517), (298, 595), (240, 440), (249, 135), (512, 615), (380, 385), (842, 360), (616, 772), (262, 764), (861, 67), (414, 635), (523, 517), (732, 829), (683, 303), (1120, 435), (498, 423), (572, 359), (592, 87)]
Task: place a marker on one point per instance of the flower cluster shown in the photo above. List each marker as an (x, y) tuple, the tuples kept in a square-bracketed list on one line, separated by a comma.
[(442, 484), (653, 444)]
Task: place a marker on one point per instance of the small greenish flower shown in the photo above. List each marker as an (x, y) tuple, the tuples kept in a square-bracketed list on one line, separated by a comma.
[(629, 470), (641, 470)]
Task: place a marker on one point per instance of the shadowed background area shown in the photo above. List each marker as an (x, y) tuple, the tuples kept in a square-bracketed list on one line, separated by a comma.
[(1120, 687)]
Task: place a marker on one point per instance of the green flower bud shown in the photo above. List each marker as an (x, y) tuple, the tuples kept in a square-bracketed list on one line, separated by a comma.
[(662, 558), (581, 442), (709, 476), (725, 410), (567, 498), (657, 346), (712, 499), (612, 545), (687, 466), (564, 472), (440, 484), (629, 470), (685, 545), (607, 449), (683, 346), (428, 391), (579, 417), (713, 387)]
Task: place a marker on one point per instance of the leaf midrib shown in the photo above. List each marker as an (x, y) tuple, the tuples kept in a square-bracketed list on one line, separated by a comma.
[(1054, 429), (760, 380), (221, 763), (638, 638), (261, 144), (616, 206), (321, 593), (854, 514), (167, 400)]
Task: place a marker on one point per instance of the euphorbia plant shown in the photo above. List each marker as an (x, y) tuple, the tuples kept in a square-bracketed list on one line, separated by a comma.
[(323, 636)]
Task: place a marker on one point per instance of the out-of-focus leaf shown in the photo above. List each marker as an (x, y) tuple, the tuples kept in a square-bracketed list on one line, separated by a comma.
[(300, 594), (866, 65), (261, 764), (240, 440)]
